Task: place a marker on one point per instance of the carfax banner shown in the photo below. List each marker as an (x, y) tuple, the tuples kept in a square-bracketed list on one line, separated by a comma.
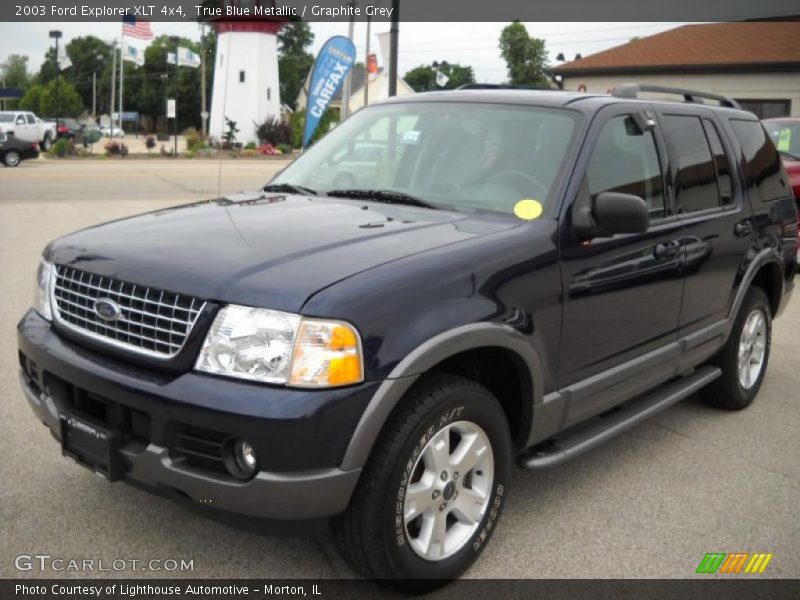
[(333, 63)]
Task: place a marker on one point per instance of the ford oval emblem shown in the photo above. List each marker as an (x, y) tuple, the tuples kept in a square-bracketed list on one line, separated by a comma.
[(107, 309)]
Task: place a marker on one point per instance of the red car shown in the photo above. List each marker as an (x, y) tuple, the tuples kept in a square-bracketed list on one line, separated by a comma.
[(785, 132)]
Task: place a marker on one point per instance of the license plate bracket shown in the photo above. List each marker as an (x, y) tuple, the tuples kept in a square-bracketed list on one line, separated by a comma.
[(92, 445)]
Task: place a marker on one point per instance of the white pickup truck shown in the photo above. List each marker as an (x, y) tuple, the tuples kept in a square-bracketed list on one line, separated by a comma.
[(28, 127)]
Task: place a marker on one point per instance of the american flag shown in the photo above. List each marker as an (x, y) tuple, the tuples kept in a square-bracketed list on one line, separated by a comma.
[(136, 28)]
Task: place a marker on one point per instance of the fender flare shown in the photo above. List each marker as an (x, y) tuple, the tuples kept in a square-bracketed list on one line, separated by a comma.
[(423, 358), (760, 260)]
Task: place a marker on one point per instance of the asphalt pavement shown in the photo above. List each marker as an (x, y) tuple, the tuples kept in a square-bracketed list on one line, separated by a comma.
[(648, 504)]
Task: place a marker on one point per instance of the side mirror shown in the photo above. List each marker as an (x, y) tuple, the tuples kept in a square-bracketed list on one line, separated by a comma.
[(609, 213), (621, 213)]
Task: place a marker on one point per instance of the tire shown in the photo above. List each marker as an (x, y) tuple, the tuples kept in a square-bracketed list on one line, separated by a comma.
[(12, 158), (374, 535), (47, 143), (735, 390)]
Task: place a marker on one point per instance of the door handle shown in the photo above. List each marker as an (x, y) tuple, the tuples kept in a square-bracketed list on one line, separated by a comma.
[(743, 228), (667, 250)]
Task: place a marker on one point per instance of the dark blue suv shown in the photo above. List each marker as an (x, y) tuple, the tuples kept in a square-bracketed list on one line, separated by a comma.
[(518, 276)]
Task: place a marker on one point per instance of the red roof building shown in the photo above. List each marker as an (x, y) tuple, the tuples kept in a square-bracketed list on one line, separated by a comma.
[(757, 63)]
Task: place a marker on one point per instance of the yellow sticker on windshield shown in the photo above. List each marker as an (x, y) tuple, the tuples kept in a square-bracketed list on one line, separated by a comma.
[(528, 209)]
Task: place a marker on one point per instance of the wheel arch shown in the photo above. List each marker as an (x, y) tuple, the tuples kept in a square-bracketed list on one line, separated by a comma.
[(456, 351), (766, 272)]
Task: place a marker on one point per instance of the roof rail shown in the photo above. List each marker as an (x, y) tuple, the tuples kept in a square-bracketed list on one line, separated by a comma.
[(631, 90), (503, 86)]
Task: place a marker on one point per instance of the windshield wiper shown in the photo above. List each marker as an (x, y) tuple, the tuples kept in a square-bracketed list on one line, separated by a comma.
[(387, 196), (289, 188), (789, 154)]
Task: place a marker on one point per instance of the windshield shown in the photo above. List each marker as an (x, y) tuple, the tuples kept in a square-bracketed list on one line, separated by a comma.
[(786, 135), (6, 118), (460, 156)]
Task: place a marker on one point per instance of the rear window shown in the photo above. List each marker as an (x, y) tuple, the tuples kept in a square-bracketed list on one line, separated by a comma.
[(763, 172)]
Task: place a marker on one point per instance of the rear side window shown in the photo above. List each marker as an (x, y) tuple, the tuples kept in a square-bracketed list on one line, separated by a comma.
[(31, 120), (763, 173), (696, 179)]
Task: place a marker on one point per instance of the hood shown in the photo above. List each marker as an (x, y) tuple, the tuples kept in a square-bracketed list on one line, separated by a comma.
[(263, 249)]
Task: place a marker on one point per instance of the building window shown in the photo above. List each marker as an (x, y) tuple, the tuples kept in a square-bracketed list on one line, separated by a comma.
[(241, 76), (269, 94), (767, 109)]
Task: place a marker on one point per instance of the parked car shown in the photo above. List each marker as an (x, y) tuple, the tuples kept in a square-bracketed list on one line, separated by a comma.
[(512, 288), (27, 126), (109, 131), (14, 150), (785, 133), (69, 129)]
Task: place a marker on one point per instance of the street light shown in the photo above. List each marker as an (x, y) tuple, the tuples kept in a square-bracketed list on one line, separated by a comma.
[(56, 35), (98, 58)]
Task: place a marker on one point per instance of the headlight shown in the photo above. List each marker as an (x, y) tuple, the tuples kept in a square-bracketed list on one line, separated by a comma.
[(277, 347), (41, 294)]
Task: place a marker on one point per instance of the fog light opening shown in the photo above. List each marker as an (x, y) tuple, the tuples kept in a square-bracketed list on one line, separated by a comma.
[(242, 461)]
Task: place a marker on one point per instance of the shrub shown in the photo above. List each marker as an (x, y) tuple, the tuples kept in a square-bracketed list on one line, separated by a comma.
[(229, 137), (115, 148), (268, 150), (274, 131), (61, 148), (285, 148), (150, 143), (250, 146)]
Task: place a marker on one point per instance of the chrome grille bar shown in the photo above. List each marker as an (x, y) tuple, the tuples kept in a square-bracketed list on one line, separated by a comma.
[(152, 322)]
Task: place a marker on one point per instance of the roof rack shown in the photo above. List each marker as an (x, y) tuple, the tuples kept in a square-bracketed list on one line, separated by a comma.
[(504, 86), (631, 90)]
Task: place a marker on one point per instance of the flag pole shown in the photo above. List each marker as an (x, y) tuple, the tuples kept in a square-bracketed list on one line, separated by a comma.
[(113, 84)]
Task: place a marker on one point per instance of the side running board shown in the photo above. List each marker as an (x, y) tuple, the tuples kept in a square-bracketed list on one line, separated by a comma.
[(600, 429)]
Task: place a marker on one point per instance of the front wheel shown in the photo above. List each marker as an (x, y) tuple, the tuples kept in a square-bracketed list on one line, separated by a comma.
[(434, 486), (11, 158), (744, 358), (47, 143)]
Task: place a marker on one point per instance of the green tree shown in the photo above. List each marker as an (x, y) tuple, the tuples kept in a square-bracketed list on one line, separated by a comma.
[(89, 55), (60, 99), (48, 70), (423, 77), (32, 100), (525, 56), (14, 74), (294, 60)]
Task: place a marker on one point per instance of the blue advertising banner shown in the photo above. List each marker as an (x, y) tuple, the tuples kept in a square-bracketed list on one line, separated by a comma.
[(334, 61)]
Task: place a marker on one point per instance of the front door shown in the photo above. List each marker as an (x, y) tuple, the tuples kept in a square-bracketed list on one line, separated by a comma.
[(622, 294)]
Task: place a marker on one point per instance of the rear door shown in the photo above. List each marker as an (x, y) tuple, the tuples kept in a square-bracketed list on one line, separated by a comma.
[(715, 216)]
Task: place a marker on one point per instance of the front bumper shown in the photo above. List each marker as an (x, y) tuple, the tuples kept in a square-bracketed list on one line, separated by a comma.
[(300, 436)]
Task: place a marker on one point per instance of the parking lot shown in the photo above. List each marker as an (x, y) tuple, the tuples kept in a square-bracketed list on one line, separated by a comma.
[(649, 504)]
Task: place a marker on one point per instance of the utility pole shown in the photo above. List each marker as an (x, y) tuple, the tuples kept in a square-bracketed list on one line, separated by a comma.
[(113, 84), (175, 40), (366, 63), (121, 80), (94, 95), (203, 107), (393, 47), (345, 112)]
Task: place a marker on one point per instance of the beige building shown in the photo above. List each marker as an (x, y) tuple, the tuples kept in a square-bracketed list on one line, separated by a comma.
[(756, 63)]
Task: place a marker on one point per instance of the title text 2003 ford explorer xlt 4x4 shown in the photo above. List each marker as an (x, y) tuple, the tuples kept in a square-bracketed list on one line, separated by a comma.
[(375, 347)]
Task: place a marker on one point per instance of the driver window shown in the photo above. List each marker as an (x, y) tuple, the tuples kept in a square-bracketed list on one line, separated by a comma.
[(625, 160), (21, 120)]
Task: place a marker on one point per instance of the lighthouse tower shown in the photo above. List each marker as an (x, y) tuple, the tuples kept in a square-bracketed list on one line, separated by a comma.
[(246, 86)]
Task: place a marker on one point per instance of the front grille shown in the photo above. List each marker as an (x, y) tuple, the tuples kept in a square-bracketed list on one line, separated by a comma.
[(150, 321)]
